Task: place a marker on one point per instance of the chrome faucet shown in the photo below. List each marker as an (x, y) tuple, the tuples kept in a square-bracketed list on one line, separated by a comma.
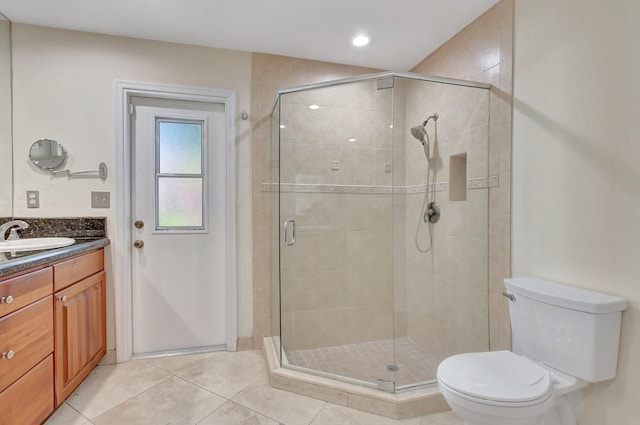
[(13, 235)]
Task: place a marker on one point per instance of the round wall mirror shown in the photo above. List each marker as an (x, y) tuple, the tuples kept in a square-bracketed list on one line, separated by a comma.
[(47, 154)]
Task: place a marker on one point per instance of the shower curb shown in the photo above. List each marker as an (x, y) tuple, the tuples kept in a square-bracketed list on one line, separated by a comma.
[(406, 404)]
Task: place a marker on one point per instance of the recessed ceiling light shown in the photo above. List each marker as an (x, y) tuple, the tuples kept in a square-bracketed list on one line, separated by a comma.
[(391, 126), (352, 140), (283, 126), (360, 40), (314, 107)]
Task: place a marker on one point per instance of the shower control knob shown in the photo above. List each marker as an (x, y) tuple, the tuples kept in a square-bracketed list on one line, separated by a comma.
[(138, 244), (432, 214)]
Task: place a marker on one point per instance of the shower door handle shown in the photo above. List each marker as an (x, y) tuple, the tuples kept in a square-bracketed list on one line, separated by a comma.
[(290, 222)]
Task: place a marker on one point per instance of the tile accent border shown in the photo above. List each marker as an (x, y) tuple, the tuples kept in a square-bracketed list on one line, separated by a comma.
[(475, 183), (406, 404)]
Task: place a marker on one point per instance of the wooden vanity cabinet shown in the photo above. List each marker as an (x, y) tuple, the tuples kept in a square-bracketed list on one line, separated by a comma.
[(49, 341)]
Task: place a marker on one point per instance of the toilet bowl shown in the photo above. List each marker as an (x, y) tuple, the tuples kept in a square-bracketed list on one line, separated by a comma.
[(563, 337), (502, 388)]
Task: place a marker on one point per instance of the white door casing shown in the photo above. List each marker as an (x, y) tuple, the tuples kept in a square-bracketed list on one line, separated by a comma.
[(122, 251)]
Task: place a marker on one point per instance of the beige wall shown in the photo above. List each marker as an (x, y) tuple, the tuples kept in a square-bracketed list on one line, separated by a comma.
[(480, 52), (5, 120), (576, 181), (63, 86)]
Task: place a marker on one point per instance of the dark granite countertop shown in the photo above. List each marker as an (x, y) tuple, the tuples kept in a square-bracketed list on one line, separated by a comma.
[(11, 263)]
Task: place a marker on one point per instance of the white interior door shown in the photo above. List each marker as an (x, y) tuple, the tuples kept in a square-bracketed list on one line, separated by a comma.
[(179, 225)]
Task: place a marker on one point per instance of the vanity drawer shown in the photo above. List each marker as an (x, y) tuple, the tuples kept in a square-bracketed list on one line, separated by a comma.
[(23, 290), (27, 338), (29, 401), (76, 269)]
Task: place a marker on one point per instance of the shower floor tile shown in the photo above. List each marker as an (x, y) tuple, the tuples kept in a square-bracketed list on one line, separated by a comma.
[(368, 361)]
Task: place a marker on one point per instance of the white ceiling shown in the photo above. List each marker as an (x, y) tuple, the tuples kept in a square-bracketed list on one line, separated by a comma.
[(403, 31)]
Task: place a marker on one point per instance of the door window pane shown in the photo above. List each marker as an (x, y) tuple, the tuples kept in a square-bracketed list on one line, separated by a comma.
[(179, 147), (180, 202)]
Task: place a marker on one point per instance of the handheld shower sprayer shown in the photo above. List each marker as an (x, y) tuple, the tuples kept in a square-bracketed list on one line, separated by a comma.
[(419, 132), (430, 212)]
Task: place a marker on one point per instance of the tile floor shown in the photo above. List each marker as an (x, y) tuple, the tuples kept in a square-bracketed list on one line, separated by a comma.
[(205, 389), (368, 361)]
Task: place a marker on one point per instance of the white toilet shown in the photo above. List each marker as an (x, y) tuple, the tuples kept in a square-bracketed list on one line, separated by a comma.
[(563, 338)]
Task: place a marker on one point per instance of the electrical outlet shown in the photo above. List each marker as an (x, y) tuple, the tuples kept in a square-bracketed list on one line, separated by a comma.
[(100, 199), (33, 199)]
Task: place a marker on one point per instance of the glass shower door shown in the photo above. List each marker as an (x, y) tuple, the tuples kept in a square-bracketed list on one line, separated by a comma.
[(335, 212)]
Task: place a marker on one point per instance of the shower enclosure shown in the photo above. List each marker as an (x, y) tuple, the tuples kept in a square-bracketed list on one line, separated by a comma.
[(366, 287)]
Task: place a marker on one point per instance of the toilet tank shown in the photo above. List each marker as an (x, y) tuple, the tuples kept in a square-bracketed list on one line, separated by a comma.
[(573, 330)]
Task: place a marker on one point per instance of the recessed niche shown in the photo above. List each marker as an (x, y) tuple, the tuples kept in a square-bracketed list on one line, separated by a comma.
[(458, 177)]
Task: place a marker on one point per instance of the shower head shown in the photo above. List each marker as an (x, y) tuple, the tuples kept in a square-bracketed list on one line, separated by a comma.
[(419, 132)]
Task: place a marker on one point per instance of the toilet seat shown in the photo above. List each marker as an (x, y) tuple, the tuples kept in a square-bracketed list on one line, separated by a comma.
[(498, 378)]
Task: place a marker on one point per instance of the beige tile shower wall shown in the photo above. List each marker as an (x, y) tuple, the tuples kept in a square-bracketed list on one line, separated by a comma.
[(481, 52), (269, 74), (447, 287)]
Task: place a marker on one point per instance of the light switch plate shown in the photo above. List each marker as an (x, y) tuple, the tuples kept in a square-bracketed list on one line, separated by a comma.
[(100, 199), (33, 199)]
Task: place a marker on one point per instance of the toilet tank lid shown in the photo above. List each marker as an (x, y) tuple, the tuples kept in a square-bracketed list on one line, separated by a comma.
[(565, 296)]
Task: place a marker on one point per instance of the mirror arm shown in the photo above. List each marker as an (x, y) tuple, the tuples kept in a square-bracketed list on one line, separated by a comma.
[(100, 172)]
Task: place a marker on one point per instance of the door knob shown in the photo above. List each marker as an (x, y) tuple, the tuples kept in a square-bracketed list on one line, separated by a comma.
[(138, 244), (139, 224)]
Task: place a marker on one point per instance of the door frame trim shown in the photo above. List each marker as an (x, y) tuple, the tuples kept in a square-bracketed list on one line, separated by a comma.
[(122, 251)]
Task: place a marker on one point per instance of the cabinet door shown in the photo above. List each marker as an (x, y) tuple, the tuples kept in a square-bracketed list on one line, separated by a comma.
[(29, 400), (80, 333)]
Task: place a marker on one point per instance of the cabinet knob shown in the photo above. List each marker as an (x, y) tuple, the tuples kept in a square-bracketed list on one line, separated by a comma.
[(138, 244), (8, 355), (6, 300), (62, 298)]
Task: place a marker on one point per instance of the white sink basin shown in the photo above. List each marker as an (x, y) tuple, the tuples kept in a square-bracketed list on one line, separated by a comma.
[(34, 244)]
